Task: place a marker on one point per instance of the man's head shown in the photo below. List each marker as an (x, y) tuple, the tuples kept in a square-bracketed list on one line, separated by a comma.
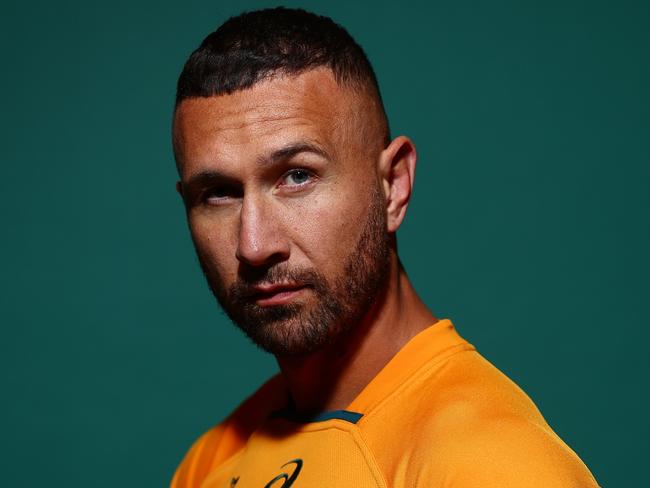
[(292, 187), (265, 43)]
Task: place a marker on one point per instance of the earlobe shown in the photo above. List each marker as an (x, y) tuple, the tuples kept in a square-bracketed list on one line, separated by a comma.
[(181, 193), (397, 168)]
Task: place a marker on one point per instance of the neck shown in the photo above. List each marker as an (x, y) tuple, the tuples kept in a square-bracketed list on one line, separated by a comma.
[(330, 379)]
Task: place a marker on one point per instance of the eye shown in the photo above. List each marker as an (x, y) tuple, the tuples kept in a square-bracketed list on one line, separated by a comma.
[(297, 177), (219, 194)]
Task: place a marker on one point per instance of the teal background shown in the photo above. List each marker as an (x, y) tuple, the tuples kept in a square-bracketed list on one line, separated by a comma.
[(529, 225)]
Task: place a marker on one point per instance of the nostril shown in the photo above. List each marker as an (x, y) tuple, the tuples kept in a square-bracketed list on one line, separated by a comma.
[(260, 258)]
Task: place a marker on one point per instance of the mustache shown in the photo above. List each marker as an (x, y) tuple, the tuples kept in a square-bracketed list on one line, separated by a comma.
[(250, 278)]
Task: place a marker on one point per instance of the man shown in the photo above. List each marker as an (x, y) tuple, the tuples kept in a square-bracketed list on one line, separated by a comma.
[(294, 191)]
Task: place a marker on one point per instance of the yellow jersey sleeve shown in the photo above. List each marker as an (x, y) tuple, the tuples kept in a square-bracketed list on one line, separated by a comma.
[(509, 453)]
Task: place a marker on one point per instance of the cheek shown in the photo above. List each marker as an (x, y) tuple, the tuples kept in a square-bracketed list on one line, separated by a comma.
[(327, 231), (216, 246)]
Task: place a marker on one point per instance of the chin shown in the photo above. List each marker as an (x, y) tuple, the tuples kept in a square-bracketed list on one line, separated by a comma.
[(292, 337)]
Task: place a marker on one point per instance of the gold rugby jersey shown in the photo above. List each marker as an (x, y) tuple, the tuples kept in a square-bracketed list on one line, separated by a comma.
[(437, 415)]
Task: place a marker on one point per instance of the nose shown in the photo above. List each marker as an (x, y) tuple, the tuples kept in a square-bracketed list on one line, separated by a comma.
[(261, 240)]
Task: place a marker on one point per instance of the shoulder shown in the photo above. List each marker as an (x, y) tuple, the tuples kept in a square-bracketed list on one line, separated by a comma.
[(197, 462), (463, 423), (225, 439), (509, 451)]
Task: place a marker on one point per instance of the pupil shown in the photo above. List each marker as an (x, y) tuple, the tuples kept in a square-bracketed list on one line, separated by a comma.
[(300, 176)]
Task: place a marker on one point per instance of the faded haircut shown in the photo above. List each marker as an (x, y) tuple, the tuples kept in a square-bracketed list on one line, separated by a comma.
[(258, 45)]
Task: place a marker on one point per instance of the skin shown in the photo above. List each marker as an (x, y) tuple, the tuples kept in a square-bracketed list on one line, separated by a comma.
[(269, 213)]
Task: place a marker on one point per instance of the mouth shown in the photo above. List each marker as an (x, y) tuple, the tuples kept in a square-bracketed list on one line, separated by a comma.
[(272, 295)]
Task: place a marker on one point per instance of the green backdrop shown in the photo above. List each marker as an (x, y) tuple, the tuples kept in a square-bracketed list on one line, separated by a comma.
[(529, 226)]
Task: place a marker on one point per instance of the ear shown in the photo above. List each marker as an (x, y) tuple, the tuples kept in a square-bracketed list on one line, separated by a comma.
[(179, 188), (397, 173)]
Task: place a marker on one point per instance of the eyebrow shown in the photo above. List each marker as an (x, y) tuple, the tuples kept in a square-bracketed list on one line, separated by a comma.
[(206, 177), (292, 150)]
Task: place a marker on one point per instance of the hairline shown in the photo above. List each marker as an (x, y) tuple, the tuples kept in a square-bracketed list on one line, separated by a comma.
[(363, 87)]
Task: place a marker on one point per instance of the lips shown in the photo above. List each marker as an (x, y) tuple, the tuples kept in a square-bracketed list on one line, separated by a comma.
[(273, 294)]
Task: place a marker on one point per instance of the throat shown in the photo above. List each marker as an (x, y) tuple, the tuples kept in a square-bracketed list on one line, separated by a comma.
[(325, 382), (330, 379)]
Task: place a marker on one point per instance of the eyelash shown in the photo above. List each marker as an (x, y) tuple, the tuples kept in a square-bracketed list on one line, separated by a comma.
[(219, 193), (223, 192), (295, 171)]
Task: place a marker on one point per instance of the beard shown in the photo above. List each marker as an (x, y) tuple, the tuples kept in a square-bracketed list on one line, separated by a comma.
[(299, 328)]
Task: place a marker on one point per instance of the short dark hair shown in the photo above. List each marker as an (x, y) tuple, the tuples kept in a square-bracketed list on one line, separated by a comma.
[(259, 44)]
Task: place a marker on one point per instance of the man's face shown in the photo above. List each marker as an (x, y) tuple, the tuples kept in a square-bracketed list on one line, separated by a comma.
[(285, 207)]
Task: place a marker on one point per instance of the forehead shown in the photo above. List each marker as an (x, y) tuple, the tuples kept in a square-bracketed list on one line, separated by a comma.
[(310, 106)]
